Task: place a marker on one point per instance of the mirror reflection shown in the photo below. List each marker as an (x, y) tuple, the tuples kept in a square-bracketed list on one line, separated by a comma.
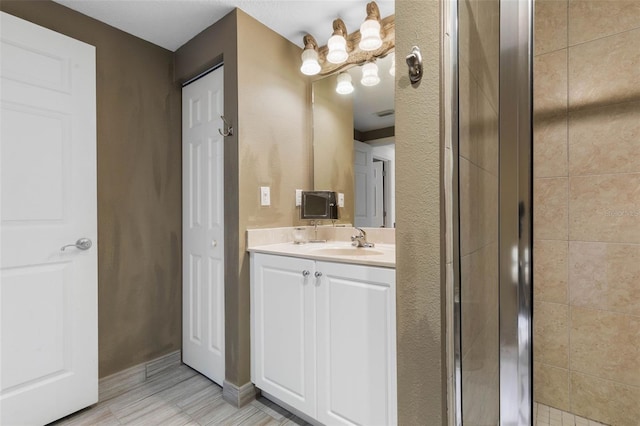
[(354, 144)]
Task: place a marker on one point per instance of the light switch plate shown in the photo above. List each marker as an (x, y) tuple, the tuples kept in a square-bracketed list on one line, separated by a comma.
[(340, 199), (298, 197), (265, 196)]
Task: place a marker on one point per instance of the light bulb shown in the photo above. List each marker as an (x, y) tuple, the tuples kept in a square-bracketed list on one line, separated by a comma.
[(392, 70), (370, 35), (370, 74), (344, 86), (310, 65), (337, 45)]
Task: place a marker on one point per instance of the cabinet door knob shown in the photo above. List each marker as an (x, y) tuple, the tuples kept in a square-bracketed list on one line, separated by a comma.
[(318, 274), (305, 273)]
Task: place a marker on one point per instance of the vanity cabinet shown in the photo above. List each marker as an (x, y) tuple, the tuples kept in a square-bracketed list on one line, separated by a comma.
[(283, 329), (324, 338)]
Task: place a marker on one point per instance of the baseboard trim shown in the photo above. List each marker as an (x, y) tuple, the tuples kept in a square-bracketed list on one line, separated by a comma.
[(238, 396), (115, 384)]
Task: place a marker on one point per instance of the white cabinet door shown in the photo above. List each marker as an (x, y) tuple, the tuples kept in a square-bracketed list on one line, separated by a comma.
[(48, 297), (356, 345), (203, 226), (283, 329)]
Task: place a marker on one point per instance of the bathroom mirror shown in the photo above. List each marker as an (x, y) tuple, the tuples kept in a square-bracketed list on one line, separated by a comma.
[(354, 145)]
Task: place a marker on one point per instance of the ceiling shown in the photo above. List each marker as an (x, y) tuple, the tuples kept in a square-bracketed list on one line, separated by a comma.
[(171, 23)]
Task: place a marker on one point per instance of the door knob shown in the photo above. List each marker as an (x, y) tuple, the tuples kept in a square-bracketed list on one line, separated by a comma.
[(214, 243), (82, 244), (305, 273), (318, 274)]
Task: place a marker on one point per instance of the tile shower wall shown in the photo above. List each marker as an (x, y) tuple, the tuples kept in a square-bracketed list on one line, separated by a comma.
[(587, 208)]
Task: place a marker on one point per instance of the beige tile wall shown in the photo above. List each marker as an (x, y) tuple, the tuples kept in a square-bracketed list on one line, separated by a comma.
[(587, 208)]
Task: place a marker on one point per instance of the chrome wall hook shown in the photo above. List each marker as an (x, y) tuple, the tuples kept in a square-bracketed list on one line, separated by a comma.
[(228, 130), (414, 61)]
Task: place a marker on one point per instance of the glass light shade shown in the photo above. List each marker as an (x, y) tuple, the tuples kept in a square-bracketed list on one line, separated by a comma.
[(370, 35), (392, 70), (370, 74), (344, 86), (310, 65), (337, 45)]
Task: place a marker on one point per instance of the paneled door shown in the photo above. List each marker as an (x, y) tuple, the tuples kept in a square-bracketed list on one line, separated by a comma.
[(203, 226), (48, 296), (283, 332), (356, 311), (363, 178)]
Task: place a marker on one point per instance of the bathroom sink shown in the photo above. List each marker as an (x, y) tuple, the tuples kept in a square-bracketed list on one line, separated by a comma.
[(345, 251)]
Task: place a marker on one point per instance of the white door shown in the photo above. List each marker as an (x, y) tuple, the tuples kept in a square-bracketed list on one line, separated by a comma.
[(378, 194), (363, 188), (283, 329), (48, 297), (203, 226), (357, 356)]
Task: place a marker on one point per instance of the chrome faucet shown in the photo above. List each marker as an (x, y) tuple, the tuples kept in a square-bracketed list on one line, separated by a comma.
[(361, 240)]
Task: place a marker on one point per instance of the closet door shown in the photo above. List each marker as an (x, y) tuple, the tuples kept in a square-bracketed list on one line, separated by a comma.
[(203, 226)]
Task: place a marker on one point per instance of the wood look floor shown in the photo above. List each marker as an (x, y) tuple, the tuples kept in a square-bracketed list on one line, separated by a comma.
[(179, 396)]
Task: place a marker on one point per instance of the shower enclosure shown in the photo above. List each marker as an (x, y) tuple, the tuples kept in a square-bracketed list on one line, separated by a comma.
[(492, 240), (545, 155)]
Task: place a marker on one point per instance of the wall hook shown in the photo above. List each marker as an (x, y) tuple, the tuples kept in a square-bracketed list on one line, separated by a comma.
[(228, 130), (414, 61)]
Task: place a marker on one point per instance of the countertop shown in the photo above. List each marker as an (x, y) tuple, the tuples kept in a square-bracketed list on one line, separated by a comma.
[(383, 255)]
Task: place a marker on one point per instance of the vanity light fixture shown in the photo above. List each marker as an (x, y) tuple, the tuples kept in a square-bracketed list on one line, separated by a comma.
[(337, 44), (375, 39), (370, 74), (370, 29), (344, 86), (310, 64)]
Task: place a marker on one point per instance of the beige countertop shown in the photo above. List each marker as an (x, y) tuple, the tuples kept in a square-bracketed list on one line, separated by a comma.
[(383, 255)]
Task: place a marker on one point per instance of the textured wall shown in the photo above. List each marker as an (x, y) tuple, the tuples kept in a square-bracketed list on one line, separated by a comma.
[(420, 289), (333, 143), (587, 208), (139, 218)]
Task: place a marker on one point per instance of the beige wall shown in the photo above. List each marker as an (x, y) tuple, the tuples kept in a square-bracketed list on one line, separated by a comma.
[(420, 261), (274, 146), (587, 208), (139, 218), (333, 143)]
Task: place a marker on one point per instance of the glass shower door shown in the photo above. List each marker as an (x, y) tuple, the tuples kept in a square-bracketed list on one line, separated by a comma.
[(478, 63), (492, 163)]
